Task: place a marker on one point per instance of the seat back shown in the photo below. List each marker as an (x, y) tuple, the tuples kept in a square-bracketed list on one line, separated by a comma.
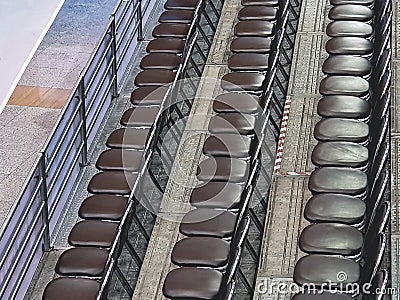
[(378, 223), (236, 253), (378, 132), (383, 37), (373, 257), (382, 8), (378, 165), (230, 291), (382, 66), (243, 211), (376, 194), (283, 12)]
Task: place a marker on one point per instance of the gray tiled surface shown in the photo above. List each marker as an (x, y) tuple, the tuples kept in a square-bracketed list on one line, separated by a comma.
[(68, 44), (299, 140), (285, 220), (396, 30)]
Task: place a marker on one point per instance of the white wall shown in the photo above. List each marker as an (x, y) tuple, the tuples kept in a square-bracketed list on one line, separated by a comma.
[(23, 24)]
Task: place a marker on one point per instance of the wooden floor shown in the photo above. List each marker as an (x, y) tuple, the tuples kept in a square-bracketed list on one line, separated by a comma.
[(39, 97)]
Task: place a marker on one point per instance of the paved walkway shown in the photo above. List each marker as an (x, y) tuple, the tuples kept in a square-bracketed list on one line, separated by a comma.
[(31, 113)]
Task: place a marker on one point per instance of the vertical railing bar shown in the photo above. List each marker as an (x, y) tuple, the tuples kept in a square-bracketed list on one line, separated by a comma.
[(45, 203), (83, 130), (140, 20), (114, 61)]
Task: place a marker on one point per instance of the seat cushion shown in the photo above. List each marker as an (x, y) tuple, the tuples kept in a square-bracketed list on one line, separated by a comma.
[(324, 269), (112, 182), (260, 2), (331, 238), (251, 44), (343, 107), (248, 62), (237, 102), (119, 160), (66, 288), (80, 261), (181, 4), (257, 12), (224, 195), (341, 130), (168, 61), (171, 30), (93, 233), (228, 144), (347, 65), (340, 154), (176, 16), (140, 116), (236, 123), (193, 283), (166, 45), (201, 252), (254, 28), (349, 46), (148, 95), (351, 12), (335, 208), (242, 81), (346, 181), (128, 138), (349, 28), (344, 85), (223, 169), (208, 222), (154, 77), (103, 207)]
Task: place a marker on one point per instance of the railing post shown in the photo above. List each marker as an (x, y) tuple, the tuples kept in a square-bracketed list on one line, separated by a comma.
[(114, 58), (140, 20), (44, 199), (83, 132)]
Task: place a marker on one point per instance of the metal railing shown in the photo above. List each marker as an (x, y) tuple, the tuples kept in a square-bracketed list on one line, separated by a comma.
[(28, 230)]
